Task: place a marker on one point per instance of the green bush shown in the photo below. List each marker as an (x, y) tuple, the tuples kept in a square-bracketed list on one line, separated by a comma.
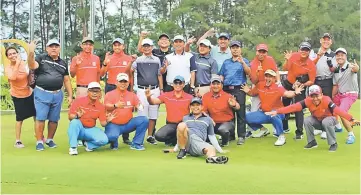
[(6, 100)]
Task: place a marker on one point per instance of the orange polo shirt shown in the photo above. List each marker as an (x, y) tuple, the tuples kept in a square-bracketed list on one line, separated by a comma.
[(18, 79), (296, 68), (270, 97), (320, 112), (123, 115), (92, 111), (267, 63), (176, 108), (117, 64), (88, 71), (217, 106)]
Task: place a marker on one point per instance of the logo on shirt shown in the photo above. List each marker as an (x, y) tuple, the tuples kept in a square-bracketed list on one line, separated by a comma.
[(128, 103), (94, 63), (124, 63)]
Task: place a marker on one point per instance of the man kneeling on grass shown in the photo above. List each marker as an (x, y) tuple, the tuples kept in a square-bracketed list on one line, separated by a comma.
[(323, 112), (83, 113), (192, 134)]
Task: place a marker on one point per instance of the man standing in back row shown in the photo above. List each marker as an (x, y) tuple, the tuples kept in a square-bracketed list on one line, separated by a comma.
[(234, 73)]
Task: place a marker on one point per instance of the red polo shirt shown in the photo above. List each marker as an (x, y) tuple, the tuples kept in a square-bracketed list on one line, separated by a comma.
[(270, 97), (88, 71), (217, 106), (176, 108), (123, 115), (267, 63), (118, 63), (92, 111), (296, 68), (320, 112)]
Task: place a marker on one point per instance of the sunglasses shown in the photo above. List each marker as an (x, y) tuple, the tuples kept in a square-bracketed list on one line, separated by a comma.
[(94, 90), (177, 82), (123, 81)]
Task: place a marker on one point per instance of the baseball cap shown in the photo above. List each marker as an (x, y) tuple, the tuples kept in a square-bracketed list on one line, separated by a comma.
[(163, 35), (206, 42), (314, 89), (326, 35), (87, 39), (216, 78), (122, 77), (196, 100), (262, 46), (343, 50), (270, 72), (233, 43), (53, 42), (94, 85), (305, 45), (147, 42), (179, 37), (225, 35), (119, 40), (178, 77)]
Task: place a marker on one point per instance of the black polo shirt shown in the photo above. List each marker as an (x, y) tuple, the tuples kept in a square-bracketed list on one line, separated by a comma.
[(161, 54), (50, 73)]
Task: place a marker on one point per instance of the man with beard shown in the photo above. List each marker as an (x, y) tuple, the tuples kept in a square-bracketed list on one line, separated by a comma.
[(270, 95), (345, 87), (300, 69), (322, 116)]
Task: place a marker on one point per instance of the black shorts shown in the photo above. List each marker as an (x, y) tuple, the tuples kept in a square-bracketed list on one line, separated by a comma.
[(24, 107)]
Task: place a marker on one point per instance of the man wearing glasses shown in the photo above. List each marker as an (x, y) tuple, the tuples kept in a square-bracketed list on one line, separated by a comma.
[(177, 106), (83, 114)]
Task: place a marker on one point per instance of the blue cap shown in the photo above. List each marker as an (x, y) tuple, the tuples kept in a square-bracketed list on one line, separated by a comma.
[(233, 43), (196, 100), (179, 78), (225, 35)]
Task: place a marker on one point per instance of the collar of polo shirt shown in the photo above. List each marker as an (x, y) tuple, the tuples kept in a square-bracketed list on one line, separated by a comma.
[(205, 56), (181, 93), (219, 50), (183, 53)]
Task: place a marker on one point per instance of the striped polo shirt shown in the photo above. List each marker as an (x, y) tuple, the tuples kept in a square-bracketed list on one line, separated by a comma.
[(201, 126), (345, 79), (206, 66), (148, 70)]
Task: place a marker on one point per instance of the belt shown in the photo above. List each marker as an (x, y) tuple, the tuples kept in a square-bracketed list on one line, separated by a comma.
[(56, 91), (349, 92), (85, 86), (203, 85), (232, 87), (146, 87), (111, 84), (320, 78)]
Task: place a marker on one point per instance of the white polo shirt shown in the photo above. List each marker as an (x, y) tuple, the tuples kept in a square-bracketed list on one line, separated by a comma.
[(182, 65)]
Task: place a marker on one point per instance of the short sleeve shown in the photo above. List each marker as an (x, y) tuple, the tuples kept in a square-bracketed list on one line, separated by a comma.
[(210, 128), (135, 99), (159, 66), (73, 64), (108, 99), (134, 65), (102, 115), (214, 67), (73, 107), (38, 59), (162, 97), (193, 66), (221, 72), (281, 90), (66, 73)]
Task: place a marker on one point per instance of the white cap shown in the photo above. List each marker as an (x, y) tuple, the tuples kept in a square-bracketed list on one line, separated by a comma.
[(314, 89), (206, 42), (341, 50), (147, 42), (122, 77), (178, 37), (53, 42), (94, 85)]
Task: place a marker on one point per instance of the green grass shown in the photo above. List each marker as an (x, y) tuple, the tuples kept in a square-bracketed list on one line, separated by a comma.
[(256, 167)]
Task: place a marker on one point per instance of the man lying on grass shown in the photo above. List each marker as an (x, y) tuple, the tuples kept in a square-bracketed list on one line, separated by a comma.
[(192, 134)]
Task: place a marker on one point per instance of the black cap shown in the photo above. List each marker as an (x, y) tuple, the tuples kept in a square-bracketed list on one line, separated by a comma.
[(305, 45), (327, 35), (163, 35), (238, 43)]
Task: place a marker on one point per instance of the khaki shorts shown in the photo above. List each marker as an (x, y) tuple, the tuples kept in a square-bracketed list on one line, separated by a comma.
[(195, 145)]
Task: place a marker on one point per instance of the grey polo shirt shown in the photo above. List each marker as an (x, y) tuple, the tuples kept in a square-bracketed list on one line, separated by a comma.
[(322, 69), (148, 70), (206, 66), (50, 73), (201, 126), (345, 79)]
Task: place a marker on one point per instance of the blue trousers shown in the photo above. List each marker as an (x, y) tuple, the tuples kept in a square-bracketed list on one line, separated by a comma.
[(256, 119), (94, 136), (139, 124)]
